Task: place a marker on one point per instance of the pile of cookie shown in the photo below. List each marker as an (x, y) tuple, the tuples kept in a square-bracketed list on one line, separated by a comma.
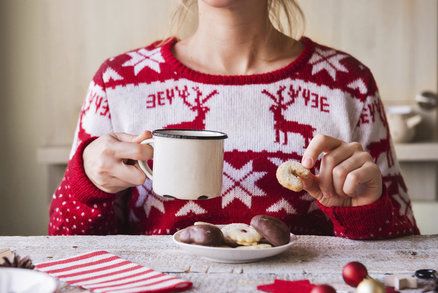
[(263, 232)]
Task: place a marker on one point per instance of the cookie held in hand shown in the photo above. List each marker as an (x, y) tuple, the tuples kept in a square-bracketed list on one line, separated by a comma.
[(207, 235), (288, 175), (275, 231)]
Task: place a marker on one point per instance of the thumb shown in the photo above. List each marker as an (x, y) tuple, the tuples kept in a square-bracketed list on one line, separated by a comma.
[(311, 185)]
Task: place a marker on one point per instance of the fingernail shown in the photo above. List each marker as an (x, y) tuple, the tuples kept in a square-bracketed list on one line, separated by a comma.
[(307, 162)]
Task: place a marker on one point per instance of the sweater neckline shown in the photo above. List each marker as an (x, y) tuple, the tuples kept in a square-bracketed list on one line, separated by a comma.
[(184, 71)]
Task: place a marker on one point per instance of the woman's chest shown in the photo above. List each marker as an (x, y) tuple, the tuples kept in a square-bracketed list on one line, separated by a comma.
[(282, 116)]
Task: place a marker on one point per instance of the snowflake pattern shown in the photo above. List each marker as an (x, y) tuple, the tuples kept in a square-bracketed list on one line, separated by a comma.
[(145, 58), (276, 161), (190, 207), (359, 85), (153, 202), (328, 60), (111, 74), (241, 184), (143, 191), (282, 204)]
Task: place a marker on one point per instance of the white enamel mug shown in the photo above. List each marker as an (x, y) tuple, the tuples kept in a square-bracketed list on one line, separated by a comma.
[(188, 164)]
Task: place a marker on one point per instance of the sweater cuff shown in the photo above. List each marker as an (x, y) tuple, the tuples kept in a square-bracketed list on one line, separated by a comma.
[(361, 222), (82, 188)]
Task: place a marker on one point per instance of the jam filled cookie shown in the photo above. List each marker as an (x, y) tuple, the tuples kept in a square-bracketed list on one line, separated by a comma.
[(289, 173), (207, 235), (240, 234), (275, 231)]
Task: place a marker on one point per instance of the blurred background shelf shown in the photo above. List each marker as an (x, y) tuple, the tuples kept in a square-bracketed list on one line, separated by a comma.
[(417, 152), (406, 152)]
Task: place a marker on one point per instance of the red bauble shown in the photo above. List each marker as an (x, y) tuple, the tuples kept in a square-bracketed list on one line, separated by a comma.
[(323, 289), (353, 273)]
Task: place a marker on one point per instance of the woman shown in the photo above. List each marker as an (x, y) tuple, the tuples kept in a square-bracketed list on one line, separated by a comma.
[(276, 97)]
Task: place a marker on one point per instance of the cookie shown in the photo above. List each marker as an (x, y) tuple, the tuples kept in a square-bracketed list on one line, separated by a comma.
[(275, 231), (240, 234), (203, 223), (256, 246), (207, 235), (288, 175)]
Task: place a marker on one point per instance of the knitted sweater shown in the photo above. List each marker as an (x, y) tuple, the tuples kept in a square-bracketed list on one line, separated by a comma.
[(269, 118)]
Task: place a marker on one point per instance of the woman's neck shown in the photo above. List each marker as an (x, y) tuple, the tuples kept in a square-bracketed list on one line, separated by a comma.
[(235, 40)]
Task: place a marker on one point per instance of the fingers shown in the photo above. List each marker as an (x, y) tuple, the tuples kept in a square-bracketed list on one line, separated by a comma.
[(142, 136), (329, 162), (125, 137), (130, 174), (364, 174), (341, 171), (121, 136), (133, 151), (311, 185), (128, 147), (320, 143)]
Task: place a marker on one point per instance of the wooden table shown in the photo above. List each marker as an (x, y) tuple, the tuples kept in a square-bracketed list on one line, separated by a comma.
[(317, 258)]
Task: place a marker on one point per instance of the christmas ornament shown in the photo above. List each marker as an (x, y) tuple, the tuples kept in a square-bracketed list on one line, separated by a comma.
[(353, 273), (323, 289), (18, 262), (369, 285)]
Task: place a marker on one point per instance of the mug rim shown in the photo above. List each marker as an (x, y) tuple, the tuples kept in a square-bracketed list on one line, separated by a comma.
[(165, 133)]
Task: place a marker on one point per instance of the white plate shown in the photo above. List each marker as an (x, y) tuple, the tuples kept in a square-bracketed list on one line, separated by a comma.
[(232, 255), (26, 281)]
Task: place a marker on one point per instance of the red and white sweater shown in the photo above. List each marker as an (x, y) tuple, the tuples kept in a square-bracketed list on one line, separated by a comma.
[(269, 118)]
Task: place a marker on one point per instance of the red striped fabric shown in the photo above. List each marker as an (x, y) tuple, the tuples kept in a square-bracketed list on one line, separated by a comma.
[(101, 271)]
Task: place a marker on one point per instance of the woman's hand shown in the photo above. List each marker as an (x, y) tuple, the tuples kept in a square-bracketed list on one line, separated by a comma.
[(110, 161), (348, 175)]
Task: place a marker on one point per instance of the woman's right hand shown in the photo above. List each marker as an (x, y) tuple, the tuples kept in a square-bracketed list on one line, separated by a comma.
[(110, 161)]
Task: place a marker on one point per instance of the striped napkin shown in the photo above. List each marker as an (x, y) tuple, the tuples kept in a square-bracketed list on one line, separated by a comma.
[(101, 271)]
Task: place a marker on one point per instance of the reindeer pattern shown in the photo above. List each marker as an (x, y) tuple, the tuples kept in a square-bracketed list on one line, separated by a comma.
[(283, 126), (382, 146), (198, 107)]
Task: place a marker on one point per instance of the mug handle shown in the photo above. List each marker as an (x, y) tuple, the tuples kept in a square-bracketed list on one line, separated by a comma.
[(144, 165)]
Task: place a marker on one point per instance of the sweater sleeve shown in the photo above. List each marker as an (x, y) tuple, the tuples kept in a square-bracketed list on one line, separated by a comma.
[(78, 206), (391, 215)]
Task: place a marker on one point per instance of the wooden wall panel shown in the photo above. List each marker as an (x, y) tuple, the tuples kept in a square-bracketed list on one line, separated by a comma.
[(397, 39), (77, 36)]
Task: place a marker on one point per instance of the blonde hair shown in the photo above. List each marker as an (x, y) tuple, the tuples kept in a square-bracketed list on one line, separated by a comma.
[(285, 15)]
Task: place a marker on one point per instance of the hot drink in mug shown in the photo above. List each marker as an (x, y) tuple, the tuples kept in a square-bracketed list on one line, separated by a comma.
[(188, 164)]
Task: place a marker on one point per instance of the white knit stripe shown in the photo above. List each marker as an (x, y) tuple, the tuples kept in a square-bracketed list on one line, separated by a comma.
[(111, 277), (135, 284), (88, 268), (165, 284), (124, 280), (74, 263), (99, 273)]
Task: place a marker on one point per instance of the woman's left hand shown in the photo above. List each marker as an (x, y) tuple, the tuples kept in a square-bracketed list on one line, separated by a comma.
[(348, 175)]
